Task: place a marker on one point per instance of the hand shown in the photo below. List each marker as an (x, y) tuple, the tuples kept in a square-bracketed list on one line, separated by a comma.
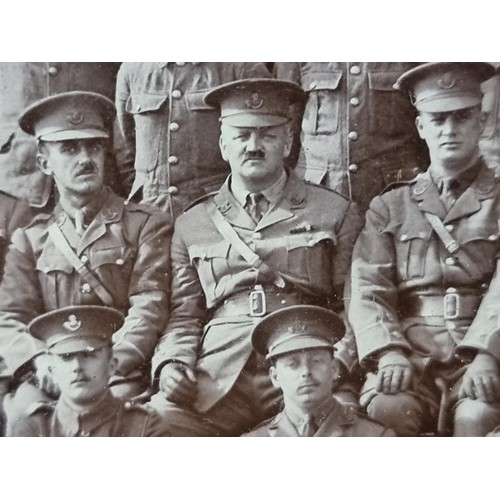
[(44, 378), (394, 373), (481, 380), (178, 383)]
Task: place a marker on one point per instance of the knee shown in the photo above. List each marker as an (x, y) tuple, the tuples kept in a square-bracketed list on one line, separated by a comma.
[(475, 418), (400, 412)]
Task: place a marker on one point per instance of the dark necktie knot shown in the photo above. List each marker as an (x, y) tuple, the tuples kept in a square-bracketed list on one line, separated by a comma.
[(256, 205)]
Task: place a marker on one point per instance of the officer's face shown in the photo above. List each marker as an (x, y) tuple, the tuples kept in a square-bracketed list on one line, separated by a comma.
[(77, 165), (256, 155), (305, 377), (452, 137), (82, 377)]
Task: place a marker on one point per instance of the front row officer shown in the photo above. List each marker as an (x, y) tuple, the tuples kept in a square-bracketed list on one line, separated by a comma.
[(78, 343), (298, 341)]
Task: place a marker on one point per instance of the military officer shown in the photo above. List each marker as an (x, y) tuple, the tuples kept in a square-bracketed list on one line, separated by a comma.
[(78, 340), (423, 261), (265, 240), (490, 140), (94, 249), (356, 131), (171, 131), (298, 342)]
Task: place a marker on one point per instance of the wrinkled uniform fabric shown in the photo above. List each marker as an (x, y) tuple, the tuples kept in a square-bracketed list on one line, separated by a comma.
[(357, 132), (172, 134)]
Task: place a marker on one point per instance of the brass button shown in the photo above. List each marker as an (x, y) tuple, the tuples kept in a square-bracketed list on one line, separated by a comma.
[(176, 94), (492, 237), (353, 168), (404, 237), (84, 259), (86, 288), (181, 63), (449, 227), (46, 269), (173, 160), (174, 127), (312, 85), (172, 190), (354, 101), (256, 236), (120, 262), (449, 261), (352, 135), (355, 70), (451, 290), (53, 71), (450, 325)]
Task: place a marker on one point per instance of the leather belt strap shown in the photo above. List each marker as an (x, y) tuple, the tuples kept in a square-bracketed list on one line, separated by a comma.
[(450, 306), (453, 247), (62, 244)]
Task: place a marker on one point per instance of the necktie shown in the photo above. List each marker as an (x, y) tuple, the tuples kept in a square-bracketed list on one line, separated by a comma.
[(448, 196), (257, 206), (79, 222), (307, 428)]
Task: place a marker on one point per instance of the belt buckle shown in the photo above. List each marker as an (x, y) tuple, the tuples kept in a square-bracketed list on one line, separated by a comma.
[(451, 306), (257, 302)]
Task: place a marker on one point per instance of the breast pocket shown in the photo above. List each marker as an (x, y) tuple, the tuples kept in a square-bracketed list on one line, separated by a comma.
[(55, 275), (322, 111), (387, 106), (412, 245), (211, 261)]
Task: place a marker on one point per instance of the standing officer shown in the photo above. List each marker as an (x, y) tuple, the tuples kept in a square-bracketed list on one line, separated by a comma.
[(264, 241), (490, 140), (22, 84), (78, 340), (298, 342), (423, 261), (171, 131), (356, 133), (94, 249)]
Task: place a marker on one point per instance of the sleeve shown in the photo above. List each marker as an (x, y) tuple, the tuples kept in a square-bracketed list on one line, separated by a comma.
[(188, 315), (148, 296), (374, 295), (20, 302), (125, 131)]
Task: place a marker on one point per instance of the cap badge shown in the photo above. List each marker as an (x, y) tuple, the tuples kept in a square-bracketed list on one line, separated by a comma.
[(255, 101), (75, 117), (447, 82), (297, 327), (72, 324)]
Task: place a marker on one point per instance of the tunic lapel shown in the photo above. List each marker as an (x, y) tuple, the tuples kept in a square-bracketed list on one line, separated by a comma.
[(232, 211)]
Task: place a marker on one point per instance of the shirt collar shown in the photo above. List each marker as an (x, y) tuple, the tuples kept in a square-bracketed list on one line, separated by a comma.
[(272, 193), (463, 179), (318, 415), (90, 210)]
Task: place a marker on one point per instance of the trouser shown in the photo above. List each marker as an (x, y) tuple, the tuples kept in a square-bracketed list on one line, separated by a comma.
[(251, 400), (432, 398)]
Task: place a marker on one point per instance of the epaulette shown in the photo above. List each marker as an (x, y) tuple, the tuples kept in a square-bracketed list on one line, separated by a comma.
[(40, 406), (140, 207), (199, 200), (398, 184), (309, 183), (39, 218), (139, 407)]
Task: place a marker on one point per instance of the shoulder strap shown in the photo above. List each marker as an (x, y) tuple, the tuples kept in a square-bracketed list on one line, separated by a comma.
[(62, 244), (453, 247), (229, 234)]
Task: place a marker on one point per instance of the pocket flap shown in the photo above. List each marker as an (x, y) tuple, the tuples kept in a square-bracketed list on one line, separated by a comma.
[(305, 240), (106, 256), (145, 103), (326, 80), (209, 251), (383, 80), (51, 260), (195, 101)]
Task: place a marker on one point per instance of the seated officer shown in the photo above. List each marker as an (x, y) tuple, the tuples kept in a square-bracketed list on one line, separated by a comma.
[(264, 241), (93, 249), (421, 265), (81, 361), (298, 341)]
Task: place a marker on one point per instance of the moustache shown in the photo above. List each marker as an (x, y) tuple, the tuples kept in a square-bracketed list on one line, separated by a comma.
[(255, 155), (87, 168)]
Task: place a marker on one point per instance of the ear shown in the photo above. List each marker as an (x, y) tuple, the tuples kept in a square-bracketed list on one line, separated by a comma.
[(222, 146), (418, 124), (288, 141), (482, 121), (113, 365), (41, 161), (274, 377)]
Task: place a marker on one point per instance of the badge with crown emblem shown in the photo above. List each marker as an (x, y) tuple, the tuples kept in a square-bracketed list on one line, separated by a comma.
[(447, 81), (72, 324), (75, 117), (255, 101), (297, 327)]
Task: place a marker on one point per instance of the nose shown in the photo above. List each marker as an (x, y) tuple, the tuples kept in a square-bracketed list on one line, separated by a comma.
[(84, 154), (305, 368), (254, 142), (76, 364), (448, 127)]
